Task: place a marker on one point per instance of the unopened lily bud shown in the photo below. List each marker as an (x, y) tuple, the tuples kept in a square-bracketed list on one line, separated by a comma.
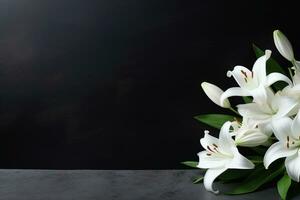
[(283, 45), (251, 138), (214, 93)]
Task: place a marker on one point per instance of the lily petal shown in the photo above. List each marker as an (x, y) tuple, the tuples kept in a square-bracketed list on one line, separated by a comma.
[(292, 165), (283, 45), (266, 128), (240, 74), (210, 160), (234, 91), (292, 90), (282, 128), (276, 151), (274, 77), (259, 67), (210, 176), (259, 94), (214, 94), (240, 162), (226, 142), (297, 64), (251, 138), (208, 140), (296, 126), (253, 111), (286, 106)]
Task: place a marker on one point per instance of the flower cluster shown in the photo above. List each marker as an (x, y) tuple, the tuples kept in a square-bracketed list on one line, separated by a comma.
[(270, 117)]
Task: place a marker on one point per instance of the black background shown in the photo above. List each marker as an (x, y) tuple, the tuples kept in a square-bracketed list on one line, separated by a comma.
[(114, 84)]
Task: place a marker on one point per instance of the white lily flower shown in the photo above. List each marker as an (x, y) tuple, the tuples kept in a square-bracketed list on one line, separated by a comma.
[(292, 92), (276, 107), (283, 45), (248, 134), (219, 155), (253, 83), (287, 132), (214, 93)]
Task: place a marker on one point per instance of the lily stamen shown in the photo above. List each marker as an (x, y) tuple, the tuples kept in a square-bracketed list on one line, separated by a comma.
[(210, 149), (244, 73)]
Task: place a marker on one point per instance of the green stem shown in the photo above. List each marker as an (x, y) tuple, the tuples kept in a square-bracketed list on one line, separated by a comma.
[(293, 62), (233, 110), (257, 161), (290, 72)]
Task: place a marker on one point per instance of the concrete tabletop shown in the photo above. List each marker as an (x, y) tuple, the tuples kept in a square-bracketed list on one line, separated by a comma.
[(110, 185)]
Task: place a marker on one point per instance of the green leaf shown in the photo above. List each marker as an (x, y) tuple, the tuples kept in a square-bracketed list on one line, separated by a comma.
[(256, 159), (256, 179), (247, 99), (214, 120), (190, 163), (258, 52), (198, 179), (259, 150), (272, 66), (294, 190), (283, 186), (233, 174)]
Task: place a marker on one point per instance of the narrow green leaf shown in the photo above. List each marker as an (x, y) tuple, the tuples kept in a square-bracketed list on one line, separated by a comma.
[(190, 163), (233, 174), (256, 179), (283, 186), (247, 99), (198, 180), (214, 120), (256, 159), (258, 52), (272, 66), (259, 150)]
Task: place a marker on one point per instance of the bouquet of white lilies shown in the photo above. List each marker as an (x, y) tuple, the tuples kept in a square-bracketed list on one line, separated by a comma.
[(263, 129)]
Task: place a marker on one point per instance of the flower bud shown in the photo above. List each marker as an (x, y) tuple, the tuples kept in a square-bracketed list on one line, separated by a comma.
[(214, 93), (251, 138), (283, 45)]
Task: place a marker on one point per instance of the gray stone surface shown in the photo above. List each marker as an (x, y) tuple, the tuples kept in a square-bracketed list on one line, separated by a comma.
[(110, 185)]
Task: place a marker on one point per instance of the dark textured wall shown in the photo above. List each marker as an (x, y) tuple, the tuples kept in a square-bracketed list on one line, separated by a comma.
[(115, 84)]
